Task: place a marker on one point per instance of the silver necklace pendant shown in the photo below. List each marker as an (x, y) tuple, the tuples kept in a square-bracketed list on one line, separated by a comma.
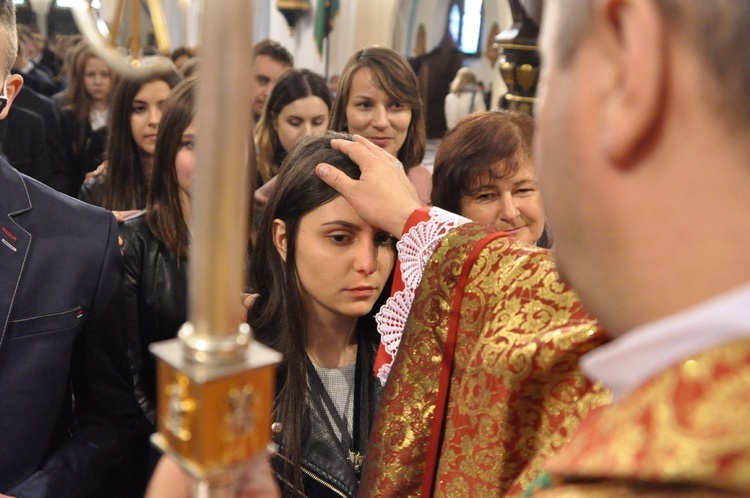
[(358, 459)]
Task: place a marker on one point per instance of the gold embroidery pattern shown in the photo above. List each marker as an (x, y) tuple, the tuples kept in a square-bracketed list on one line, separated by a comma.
[(516, 393), (690, 424)]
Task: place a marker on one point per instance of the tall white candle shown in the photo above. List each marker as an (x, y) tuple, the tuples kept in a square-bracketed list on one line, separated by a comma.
[(219, 192)]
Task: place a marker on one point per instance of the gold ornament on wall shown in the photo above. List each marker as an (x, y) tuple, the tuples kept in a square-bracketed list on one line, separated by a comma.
[(293, 10)]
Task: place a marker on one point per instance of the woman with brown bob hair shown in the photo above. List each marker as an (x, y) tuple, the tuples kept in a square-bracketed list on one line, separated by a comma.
[(484, 171), (378, 98)]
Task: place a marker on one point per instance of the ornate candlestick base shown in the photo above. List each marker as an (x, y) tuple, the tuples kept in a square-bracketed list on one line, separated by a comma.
[(212, 419)]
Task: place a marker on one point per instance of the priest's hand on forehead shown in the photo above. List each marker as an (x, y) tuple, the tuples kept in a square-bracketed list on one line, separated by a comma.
[(383, 196)]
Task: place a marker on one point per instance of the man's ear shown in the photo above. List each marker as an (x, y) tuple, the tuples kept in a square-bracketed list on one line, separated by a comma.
[(12, 86), (280, 237), (635, 34)]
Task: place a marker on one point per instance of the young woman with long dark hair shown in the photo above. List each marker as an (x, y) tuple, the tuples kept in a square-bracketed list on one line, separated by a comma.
[(133, 126), (297, 106), (319, 270)]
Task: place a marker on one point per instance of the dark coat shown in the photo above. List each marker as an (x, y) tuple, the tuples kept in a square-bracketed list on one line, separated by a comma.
[(156, 302), (56, 158), (23, 143), (326, 470), (61, 340), (84, 147), (39, 80)]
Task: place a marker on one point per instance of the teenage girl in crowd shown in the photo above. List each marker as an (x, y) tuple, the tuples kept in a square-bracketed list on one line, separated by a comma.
[(298, 106), (155, 254), (84, 119), (378, 98), (484, 171), (319, 270), (133, 125)]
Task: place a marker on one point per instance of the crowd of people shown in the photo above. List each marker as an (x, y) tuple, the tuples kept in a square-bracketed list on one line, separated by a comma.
[(558, 308)]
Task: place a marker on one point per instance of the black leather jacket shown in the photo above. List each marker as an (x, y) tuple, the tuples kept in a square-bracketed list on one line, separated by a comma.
[(156, 302), (327, 472), (91, 190)]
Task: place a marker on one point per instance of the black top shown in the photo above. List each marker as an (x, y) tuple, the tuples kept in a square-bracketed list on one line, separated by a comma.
[(155, 302), (84, 147), (327, 470)]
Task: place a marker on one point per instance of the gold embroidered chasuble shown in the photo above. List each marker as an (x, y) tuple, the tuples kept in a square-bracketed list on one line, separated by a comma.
[(686, 432), (516, 393)]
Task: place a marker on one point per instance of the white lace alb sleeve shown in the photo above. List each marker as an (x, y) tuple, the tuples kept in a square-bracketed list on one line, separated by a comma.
[(414, 251)]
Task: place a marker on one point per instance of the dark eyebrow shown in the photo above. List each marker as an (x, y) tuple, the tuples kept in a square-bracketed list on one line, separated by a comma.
[(479, 188), (342, 223)]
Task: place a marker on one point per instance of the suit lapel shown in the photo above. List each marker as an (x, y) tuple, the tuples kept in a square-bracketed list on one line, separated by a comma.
[(15, 241)]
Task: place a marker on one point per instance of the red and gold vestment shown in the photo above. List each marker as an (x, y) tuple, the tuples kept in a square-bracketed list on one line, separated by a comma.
[(686, 432), (514, 393)]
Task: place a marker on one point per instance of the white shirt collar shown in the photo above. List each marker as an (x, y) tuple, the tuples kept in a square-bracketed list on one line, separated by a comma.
[(634, 358), (27, 68)]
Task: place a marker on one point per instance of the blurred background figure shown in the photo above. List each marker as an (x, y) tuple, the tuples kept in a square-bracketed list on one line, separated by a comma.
[(333, 84), (181, 55), (84, 119), (270, 60), (465, 97)]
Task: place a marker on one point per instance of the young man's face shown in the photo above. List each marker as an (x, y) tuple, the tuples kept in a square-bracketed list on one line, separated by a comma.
[(266, 71)]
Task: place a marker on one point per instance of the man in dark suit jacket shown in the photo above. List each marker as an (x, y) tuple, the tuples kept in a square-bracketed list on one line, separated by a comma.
[(35, 78), (39, 104), (68, 409), (23, 144)]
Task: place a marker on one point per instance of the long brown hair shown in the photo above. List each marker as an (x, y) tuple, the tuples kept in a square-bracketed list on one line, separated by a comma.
[(126, 182), (397, 79), (278, 317), (78, 99), (163, 208), (293, 85)]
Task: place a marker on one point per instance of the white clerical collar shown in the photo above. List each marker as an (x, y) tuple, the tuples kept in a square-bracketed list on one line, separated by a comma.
[(632, 359)]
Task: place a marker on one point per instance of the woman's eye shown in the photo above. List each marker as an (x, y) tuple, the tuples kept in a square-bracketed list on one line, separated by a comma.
[(138, 109), (486, 196), (383, 239), (525, 191), (294, 123), (187, 144), (339, 238)]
